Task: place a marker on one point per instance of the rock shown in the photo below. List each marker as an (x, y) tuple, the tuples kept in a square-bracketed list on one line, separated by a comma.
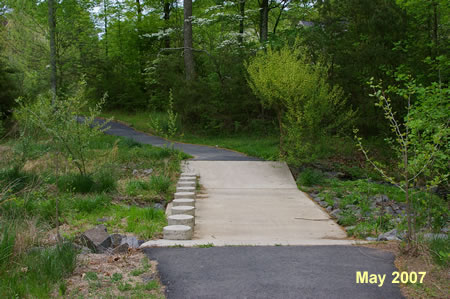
[(149, 277), (431, 236), (329, 209), (104, 219), (97, 239), (335, 213), (122, 248), (158, 206), (147, 171), (116, 240), (380, 198), (132, 241), (135, 172), (350, 227), (389, 210), (323, 204), (391, 235), (336, 202), (371, 239), (318, 198)]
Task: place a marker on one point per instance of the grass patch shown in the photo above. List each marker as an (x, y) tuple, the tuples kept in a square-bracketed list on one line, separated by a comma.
[(160, 183), (310, 177), (256, 145), (440, 251)]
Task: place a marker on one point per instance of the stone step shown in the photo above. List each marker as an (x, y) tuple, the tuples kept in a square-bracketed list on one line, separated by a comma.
[(187, 179), (181, 219), (183, 202), (187, 210), (184, 195), (186, 184), (185, 189), (188, 174), (177, 232)]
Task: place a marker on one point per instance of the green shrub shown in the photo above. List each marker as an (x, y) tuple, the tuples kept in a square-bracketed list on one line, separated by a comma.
[(308, 108), (160, 183), (310, 177), (130, 143), (440, 250), (347, 218), (77, 183), (105, 181)]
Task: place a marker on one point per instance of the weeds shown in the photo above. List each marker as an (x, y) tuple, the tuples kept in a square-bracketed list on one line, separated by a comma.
[(310, 177)]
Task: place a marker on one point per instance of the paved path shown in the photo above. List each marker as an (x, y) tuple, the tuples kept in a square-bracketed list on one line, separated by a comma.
[(199, 152), (283, 272), (261, 271)]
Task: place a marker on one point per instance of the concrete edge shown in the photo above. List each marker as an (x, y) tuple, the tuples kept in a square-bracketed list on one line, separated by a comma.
[(222, 243)]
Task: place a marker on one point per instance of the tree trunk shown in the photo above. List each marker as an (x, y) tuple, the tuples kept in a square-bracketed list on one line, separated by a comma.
[(52, 32), (263, 20), (188, 53), (105, 18), (139, 27), (241, 21), (166, 21)]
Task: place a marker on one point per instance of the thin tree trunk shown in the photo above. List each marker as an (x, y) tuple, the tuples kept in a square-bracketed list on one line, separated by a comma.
[(105, 18), (263, 20), (166, 21), (52, 32), (188, 53), (139, 27), (241, 21)]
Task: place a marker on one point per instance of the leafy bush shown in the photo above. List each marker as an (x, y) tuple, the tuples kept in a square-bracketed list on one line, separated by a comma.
[(160, 183), (77, 183), (130, 143), (310, 177), (61, 119), (105, 180), (440, 250), (308, 108)]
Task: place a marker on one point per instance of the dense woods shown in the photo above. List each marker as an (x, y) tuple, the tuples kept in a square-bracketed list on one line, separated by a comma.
[(133, 50), (352, 94)]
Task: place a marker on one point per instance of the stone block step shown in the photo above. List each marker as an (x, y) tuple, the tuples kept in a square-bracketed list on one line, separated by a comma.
[(187, 184), (177, 232), (184, 195), (188, 174), (183, 202), (186, 210), (185, 189), (181, 219), (187, 179)]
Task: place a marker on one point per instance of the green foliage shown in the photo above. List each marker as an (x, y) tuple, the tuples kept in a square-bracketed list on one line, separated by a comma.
[(308, 107), (310, 177), (91, 204), (74, 182), (35, 273), (160, 183), (7, 240), (78, 183), (16, 179), (134, 187), (146, 222), (60, 121), (440, 250)]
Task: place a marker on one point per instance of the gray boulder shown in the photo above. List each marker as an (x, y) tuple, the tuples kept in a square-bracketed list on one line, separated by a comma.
[(335, 213), (391, 235), (122, 248), (116, 240), (97, 239)]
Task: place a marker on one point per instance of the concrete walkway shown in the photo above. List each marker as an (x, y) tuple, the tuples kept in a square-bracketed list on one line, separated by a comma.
[(256, 203)]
